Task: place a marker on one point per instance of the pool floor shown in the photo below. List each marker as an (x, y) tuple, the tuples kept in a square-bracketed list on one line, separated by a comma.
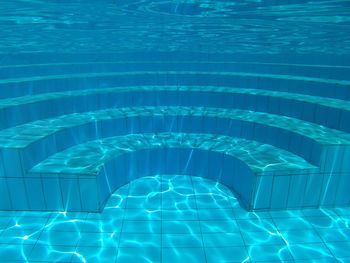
[(175, 218)]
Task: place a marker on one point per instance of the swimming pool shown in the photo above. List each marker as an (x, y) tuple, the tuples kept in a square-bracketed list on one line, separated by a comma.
[(168, 131)]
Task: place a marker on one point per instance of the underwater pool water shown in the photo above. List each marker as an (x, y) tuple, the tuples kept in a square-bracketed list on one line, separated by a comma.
[(173, 218), (209, 131)]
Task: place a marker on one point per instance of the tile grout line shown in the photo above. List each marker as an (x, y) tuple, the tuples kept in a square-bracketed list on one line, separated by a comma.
[(199, 220)]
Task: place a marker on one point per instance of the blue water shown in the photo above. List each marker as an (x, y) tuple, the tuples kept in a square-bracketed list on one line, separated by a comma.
[(174, 131)]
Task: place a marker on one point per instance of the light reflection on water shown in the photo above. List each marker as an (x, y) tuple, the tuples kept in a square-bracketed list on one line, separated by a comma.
[(170, 218)]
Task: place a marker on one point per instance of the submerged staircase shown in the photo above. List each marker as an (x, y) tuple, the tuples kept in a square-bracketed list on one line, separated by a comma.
[(71, 133)]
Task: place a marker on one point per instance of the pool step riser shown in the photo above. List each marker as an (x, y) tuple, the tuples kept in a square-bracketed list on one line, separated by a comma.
[(156, 78), (327, 116), (88, 193), (57, 69), (331, 158)]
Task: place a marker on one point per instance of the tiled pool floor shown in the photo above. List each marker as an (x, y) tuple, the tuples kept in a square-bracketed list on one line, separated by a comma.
[(169, 218)]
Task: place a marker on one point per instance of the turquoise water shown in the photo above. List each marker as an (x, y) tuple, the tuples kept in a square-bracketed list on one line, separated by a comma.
[(174, 131), (171, 218)]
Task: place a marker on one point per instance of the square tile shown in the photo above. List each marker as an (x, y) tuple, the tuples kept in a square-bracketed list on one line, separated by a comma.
[(256, 225), (139, 226), (216, 214), (219, 226), (262, 238), (50, 254), (95, 254), (182, 240), (181, 227), (226, 254), (310, 251), (301, 236), (223, 240), (175, 255), (10, 253), (190, 214), (339, 249), (278, 253), (142, 214), (99, 240), (139, 240), (138, 255)]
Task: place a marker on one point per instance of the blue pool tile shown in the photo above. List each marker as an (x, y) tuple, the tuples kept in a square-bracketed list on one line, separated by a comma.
[(226, 254), (15, 253), (174, 255), (177, 193), (263, 238), (59, 238), (70, 193), (286, 213), (94, 254), (4, 222), (138, 255), (181, 227), (301, 236), (176, 180), (241, 213), (139, 240), (148, 185), (89, 199), (182, 240), (256, 225), (19, 236), (116, 201), (319, 212), (279, 193), (222, 239), (67, 225), (213, 202), (51, 254), (18, 194), (98, 240), (142, 214), (343, 211), (179, 203), (215, 214), (278, 253), (5, 201), (190, 214), (292, 223), (262, 196), (219, 226), (52, 194), (298, 184), (310, 251), (34, 223), (35, 193), (139, 226), (339, 249), (108, 225), (108, 213), (334, 234), (148, 202), (319, 260), (326, 222)]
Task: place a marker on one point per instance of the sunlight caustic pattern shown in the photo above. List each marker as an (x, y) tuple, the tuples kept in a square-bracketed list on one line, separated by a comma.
[(170, 131)]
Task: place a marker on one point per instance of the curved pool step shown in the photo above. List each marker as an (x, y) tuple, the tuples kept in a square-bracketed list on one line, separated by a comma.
[(308, 70), (246, 166), (319, 86), (329, 112), (23, 146)]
